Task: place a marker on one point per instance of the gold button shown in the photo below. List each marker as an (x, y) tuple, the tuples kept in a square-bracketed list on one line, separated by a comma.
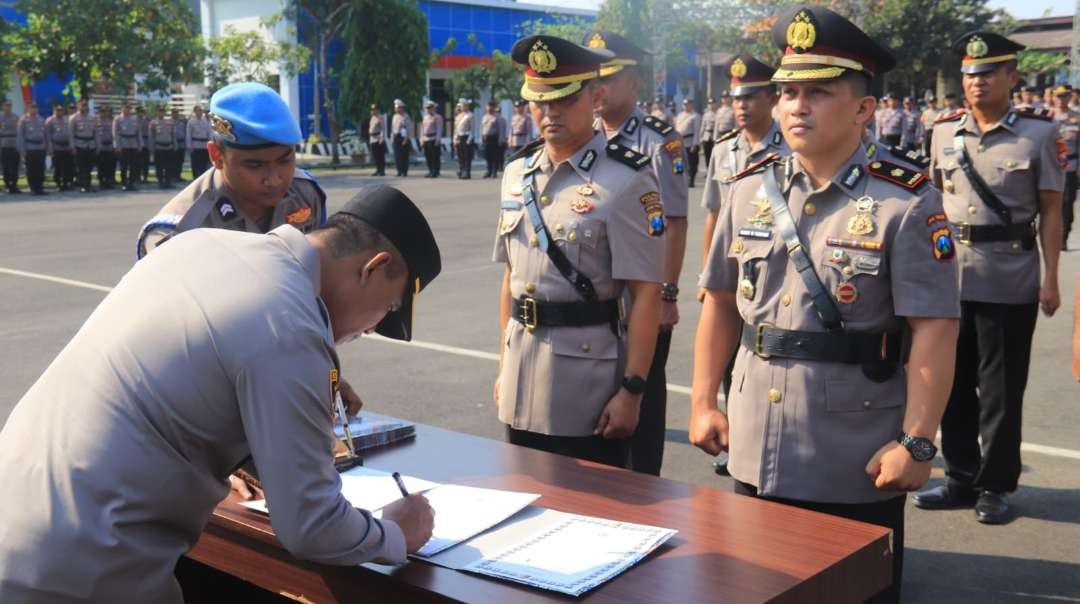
[(972, 209), (951, 165), (866, 404), (1010, 164), (530, 287), (948, 186), (809, 209), (1016, 246), (559, 228), (737, 247), (585, 347), (786, 300), (533, 241), (572, 236), (876, 165), (774, 395), (980, 148), (848, 270), (545, 200)]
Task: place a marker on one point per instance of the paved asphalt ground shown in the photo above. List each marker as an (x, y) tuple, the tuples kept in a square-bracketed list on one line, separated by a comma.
[(445, 378)]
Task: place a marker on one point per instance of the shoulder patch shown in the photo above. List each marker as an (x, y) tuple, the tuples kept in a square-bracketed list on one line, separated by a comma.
[(910, 155), (754, 167), (897, 174), (730, 134), (161, 222), (627, 156), (657, 124), (951, 116), (526, 150), (1039, 114)]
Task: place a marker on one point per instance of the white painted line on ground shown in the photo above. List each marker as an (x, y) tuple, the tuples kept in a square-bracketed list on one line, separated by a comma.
[(487, 356)]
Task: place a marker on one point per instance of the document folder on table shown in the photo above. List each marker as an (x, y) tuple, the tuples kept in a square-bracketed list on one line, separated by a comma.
[(369, 433)]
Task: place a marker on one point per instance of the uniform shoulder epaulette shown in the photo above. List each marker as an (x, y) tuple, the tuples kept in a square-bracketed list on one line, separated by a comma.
[(951, 116), (526, 150), (304, 174), (754, 167), (658, 124), (730, 134), (897, 174), (910, 155), (1039, 114), (627, 156)]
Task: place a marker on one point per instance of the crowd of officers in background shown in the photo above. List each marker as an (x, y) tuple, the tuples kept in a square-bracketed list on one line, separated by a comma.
[(79, 142)]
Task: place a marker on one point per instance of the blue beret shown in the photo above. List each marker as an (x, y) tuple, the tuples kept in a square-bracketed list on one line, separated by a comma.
[(252, 115)]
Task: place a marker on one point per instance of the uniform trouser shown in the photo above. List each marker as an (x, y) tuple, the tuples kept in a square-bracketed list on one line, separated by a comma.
[(129, 166), (992, 358), (501, 159), (144, 165), (888, 513), (200, 162), (63, 168), (1067, 200), (106, 168), (609, 451), (378, 155), (706, 150), (491, 154), (178, 162), (84, 162), (464, 158), (35, 169), (163, 165), (647, 442), (692, 159), (9, 159), (433, 157), (401, 155)]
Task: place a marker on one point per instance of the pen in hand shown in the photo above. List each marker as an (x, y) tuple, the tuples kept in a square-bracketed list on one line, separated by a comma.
[(400, 484)]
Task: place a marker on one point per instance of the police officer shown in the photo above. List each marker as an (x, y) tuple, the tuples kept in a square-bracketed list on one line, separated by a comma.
[(144, 135), (491, 140), (1068, 120), (127, 136), (999, 170), (9, 147), (198, 134), (708, 125), (463, 138), (180, 375), (163, 140), (82, 128), (891, 121), (58, 142), (581, 221), (401, 128), (1029, 97), (913, 130), (33, 146), (688, 125), (181, 145), (503, 130), (928, 117), (822, 265), (106, 157), (725, 116), (377, 139), (251, 126), (627, 126), (431, 129), (521, 127)]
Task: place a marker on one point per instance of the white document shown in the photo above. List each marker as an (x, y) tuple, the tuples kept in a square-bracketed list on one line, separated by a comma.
[(366, 489), (462, 512), (573, 556)]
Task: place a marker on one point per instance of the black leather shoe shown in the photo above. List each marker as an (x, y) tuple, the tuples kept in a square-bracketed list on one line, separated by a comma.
[(720, 467), (943, 498), (991, 508)]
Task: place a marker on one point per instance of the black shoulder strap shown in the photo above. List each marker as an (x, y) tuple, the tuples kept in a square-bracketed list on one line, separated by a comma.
[(981, 188), (582, 285), (822, 300), (526, 150)]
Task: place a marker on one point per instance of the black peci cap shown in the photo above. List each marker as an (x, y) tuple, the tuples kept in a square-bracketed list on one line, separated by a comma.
[(556, 68), (749, 75), (626, 52), (394, 215), (983, 51), (819, 44)]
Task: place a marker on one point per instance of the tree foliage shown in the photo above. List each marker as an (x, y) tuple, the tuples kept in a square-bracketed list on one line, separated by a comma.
[(326, 19), (386, 56), (502, 79), (1037, 62), (114, 41), (249, 56)]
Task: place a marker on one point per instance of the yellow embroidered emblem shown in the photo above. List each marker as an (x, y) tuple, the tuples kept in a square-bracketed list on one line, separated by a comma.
[(976, 47), (541, 59), (801, 33), (222, 126), (597, 41), (738, 69)]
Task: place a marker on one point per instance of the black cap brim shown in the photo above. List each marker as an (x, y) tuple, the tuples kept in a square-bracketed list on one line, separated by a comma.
[(398, 324)]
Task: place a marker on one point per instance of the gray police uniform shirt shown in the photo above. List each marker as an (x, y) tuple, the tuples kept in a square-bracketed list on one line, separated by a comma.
[(57, 135), (431, 128), (144, 131), (103, 134), (162, 134), (198, 133), (375, 129), (688, 125), (463, 126), (806, 429), (520, 130), (556, 380), (1069, 126), (667, 154), (401, 125), (708, 125), (489, 125), (126, 132), (891, 122), (180, 127), (9, 131), (732, 154), (83, 132), (205, 203), (1017, 158), (115, 458), (725, 121), (31, 134)]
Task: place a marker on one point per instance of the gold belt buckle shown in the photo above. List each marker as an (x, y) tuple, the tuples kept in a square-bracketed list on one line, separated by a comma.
[(758, 339), (529, 313), (963, 233)]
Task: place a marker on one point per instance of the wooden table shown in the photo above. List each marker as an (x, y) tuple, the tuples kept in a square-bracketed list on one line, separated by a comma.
[(729, 548)]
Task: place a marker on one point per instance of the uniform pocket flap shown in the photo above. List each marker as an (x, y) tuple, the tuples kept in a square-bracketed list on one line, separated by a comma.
[(1013, 165), (848, 396), (509, 221), (589, 343)]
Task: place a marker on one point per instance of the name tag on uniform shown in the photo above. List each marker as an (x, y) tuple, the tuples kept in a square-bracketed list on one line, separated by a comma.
[(749, 233), (867, 263), (511, 204), (948, 150)]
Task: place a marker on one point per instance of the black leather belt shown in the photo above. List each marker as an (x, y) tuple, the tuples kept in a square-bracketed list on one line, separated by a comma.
[(766, 341), (979, 233), (533, 313)]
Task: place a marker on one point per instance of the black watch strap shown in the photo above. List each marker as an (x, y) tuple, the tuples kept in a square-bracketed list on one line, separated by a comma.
[(634, 384)]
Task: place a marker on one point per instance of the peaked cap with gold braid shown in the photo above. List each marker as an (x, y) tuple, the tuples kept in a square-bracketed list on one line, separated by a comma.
[(819, 44), (984, 51), (749, 75), (556, 68), (626, 52)]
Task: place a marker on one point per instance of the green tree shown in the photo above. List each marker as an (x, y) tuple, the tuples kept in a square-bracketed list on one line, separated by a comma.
[(471, 82), (111, 41), (327, 19), (563, 26), (1037, 62), (248, 56), (386, 56)]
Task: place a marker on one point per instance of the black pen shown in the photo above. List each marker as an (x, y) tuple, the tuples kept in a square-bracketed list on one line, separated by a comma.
[(401, 484)]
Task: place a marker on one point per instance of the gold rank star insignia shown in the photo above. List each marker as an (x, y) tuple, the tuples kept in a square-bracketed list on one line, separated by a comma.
[(738, 69), (541, 59), (976, 47), (897, 172), (801, 33)]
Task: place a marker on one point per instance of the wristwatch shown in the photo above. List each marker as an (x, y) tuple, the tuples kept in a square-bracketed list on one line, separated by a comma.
[(669, 292), (921, 449), (634, 384)]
